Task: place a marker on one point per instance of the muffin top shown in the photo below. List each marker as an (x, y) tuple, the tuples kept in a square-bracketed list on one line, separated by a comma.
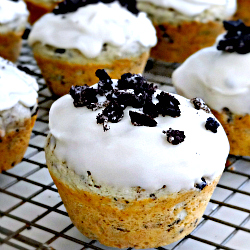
[(193, 7), (11, 10), (219, 74), (127, 133), (16, 86), (90, 27)]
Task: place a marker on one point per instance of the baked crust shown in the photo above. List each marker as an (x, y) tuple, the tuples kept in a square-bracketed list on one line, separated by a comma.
[(176, 42), (10, 45), (14, 144), (237, 128), (120, 222), (60, 74), (243, 10), (38, 9)]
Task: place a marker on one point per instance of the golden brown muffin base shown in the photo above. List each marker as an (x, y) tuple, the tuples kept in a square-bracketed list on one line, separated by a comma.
[(60, 75), (243, 11), (38, 9), (176, 42), (237, 128), (10, 45), (14, 144), (145, 223)]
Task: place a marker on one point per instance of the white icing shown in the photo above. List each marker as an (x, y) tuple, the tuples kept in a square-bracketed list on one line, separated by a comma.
[(129, 156), (10, 10), (194, 7), (16, 86), (221, 79), (88, 28)]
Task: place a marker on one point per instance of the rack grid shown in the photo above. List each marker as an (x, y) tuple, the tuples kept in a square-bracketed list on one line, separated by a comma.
[(32, 215)]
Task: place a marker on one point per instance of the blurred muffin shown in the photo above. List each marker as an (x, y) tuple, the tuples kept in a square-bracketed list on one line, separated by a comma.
[(18, 106), (13, 20), (75, 40), (220, 76), (134, 166), (38, 8), (183, 27), (243, 11)]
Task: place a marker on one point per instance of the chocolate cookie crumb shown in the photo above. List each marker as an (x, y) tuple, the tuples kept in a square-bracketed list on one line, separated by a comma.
[(174, 136), (237, 38), (212, 124), (202, 184), (168, 105), (200, 104), (140, 119), (83, 95)]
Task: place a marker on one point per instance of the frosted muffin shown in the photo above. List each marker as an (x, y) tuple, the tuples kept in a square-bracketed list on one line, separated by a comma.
[(184, 26), (134, 166), (220, 76), (75, 40), (38, 8), (243, 10), (13, 20), (18, 105)]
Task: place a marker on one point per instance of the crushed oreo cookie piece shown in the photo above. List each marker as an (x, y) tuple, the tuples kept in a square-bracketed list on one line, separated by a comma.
[(168, 105), (83, 95), (212, 124), (200, 104), (105, 82), (237, 38), (202, 184), (140, 119), (174, 136), (114, 112), (68, 6)]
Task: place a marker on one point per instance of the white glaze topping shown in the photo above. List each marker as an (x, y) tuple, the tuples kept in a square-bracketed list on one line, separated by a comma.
[(88, 28), (16, 86), (194, 7), (221, 79), (129, 156), (10, 10)]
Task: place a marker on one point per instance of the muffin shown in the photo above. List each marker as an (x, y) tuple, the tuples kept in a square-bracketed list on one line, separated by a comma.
[(243, 10), (13, 20), (75, 40), (18, 106), (38, 8), (220, 76), (134, 166), (183, 27)]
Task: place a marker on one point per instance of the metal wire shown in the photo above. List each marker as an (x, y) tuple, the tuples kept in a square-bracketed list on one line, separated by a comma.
[(17, 239)]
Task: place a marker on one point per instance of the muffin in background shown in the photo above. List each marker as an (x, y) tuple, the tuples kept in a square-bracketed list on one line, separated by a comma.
[(220, 76), (183, 27), (38, 8), (134, 166), (18, 107), (75, 40), (243, 11), (13, 20)]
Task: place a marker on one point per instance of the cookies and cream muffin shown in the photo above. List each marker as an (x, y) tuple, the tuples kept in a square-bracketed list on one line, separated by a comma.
[(13, 20), (220, 76), (75, 40), (185, 26), (18, 105), (134, 166), (38, 8)]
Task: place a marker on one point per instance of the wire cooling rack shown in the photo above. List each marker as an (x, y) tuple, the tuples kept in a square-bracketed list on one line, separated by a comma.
[(32, 215)]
